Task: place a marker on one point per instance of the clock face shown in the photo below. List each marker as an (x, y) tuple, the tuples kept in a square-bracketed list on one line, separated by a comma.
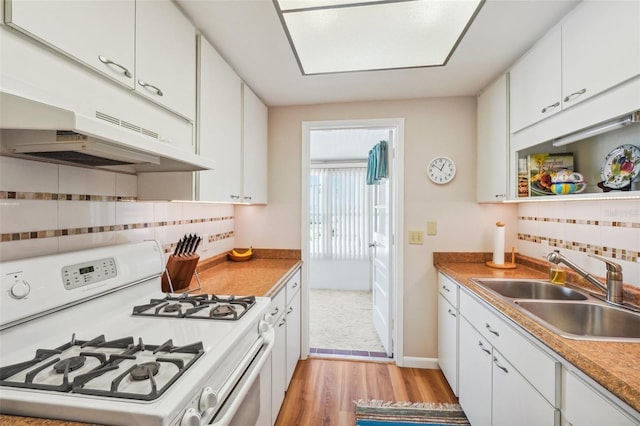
[(441, 170)]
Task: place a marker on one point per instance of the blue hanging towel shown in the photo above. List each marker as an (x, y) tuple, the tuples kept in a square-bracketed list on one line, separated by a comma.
[(383, 161), (371, 167)]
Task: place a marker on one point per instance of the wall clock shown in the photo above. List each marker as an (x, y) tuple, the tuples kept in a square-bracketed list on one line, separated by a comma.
[(441, 170)]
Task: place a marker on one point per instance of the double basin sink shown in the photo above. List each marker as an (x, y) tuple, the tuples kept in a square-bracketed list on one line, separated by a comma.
[(568, 312)]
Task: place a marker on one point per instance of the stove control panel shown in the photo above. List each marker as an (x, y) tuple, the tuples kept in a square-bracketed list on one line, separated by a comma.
[(87, 273)]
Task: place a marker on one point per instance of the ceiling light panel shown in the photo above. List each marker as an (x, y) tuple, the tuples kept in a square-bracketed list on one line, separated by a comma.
[(331, 37)]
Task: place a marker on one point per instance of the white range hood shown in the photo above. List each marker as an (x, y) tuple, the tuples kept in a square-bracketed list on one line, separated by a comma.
[(38, 131)]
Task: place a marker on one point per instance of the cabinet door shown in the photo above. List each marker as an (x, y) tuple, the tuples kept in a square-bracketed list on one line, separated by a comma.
[(600, 48), (84, 30), (535, 83), (166, 56), (219, 118), (293, 335), (584, 406), (515, 401), (493, 143), (278, 367), (474, 376), (448, 342), (254, 136)]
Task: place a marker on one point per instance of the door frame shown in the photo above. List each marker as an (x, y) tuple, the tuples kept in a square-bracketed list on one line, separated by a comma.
[(396, 155)]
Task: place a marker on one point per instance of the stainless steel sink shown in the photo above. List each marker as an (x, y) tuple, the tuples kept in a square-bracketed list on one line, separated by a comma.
[(529, 289), (585, 320)]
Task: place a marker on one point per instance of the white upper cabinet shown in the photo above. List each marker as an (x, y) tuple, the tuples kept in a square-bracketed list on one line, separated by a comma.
[(254, 137), (594, 49), (493, 142), (600, 48), (166, 56), (535, 83), (220, 127), (98, 33), (147, 45)]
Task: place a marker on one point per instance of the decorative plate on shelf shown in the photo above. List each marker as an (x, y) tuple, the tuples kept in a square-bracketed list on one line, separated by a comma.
[(621, 166)]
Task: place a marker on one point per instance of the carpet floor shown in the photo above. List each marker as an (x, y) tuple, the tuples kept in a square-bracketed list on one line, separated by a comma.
[(341, 319)]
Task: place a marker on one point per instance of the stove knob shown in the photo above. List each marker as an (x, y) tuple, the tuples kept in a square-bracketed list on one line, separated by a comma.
[(208, 399), (191, 418), (269, 319), (20, 289)]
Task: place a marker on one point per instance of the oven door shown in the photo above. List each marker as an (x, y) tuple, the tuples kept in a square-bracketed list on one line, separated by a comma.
[(250, 402)]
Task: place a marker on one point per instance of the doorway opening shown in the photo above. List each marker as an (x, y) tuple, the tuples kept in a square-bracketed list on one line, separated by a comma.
[(349, 248)]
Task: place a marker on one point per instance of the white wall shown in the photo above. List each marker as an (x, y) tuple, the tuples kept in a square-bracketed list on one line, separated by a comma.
[(339, 274), (438, 126)]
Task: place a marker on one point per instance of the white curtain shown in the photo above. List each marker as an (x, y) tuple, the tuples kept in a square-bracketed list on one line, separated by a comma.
[(339, 217)]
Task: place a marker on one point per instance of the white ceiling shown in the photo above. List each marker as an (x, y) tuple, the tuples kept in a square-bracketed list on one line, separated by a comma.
[(248, 34)]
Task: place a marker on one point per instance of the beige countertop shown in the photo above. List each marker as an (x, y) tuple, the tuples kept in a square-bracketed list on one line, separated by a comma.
[(264, 275), (614, 365)]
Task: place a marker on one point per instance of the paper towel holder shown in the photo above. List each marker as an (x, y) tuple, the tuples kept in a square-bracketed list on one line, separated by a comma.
[(505, 265)]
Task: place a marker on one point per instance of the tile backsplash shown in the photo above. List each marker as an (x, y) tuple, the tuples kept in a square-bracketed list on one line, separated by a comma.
[(48, 208), (609, 228)]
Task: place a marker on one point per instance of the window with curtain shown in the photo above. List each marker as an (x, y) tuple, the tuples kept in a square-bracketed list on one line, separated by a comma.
[(339, 214)]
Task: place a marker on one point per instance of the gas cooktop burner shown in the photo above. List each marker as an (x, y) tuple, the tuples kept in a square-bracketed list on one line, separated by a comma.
[(117, 368), (144, 371), (69, 364), (202, 306)]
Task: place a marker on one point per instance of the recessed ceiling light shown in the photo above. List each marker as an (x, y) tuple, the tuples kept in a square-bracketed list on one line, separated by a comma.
[(332, 36)]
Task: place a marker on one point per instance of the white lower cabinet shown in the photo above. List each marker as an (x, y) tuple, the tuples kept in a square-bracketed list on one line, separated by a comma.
[(506, 377), (474, 380), (448, 331), (499, 389), (583, 405), (285, 308)]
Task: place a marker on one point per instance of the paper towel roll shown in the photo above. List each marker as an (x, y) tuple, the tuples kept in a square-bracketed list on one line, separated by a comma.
[(498, 244)]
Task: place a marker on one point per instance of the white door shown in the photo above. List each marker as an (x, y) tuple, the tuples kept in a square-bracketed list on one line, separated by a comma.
[(380, 257)]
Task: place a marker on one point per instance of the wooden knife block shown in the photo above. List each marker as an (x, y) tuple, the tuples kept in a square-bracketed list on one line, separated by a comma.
[(180, 270)]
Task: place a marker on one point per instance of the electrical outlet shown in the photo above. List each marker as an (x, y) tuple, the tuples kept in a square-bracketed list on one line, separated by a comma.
[(416, 237), (432, 228)]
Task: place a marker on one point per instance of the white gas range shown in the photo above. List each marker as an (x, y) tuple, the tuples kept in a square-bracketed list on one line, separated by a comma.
[(89, 336)]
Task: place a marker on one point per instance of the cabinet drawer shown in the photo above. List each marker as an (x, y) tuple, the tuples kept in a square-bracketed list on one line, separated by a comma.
[(276, 309), (449, 289), (293, 285), (536, 366)]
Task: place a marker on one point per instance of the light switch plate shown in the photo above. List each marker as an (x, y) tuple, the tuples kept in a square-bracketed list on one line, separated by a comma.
[(416, 237), (432, 228)]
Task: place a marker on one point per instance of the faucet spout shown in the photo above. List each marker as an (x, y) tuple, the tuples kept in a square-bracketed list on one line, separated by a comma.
[(614, 287)]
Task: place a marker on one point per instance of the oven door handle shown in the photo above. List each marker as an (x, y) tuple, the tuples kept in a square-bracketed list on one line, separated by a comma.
[(254, 363)]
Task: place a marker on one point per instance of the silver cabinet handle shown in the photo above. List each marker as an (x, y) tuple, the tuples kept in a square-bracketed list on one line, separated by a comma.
[(549, 107), (499, 195), (276, 311), (488, 327), (247, 197), (294, 285), (495, 361), (574, 94), (284, 320), (483, 348), (290, 310), (108, 61), (234, 197), (451, 313), (145, 84), (445, 288), (373, 244)]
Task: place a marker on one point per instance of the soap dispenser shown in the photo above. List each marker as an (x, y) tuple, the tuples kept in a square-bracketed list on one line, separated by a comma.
[(557, 273)]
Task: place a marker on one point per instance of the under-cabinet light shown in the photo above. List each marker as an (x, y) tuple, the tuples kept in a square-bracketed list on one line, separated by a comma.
[(597, 130)]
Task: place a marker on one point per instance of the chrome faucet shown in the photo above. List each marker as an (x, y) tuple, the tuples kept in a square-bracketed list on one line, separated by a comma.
[(613, 289)]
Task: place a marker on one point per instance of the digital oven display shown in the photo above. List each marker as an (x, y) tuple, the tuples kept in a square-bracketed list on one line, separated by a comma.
[(86, 270)]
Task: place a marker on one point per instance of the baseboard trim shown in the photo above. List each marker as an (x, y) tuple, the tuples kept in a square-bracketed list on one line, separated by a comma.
[(418, 362)]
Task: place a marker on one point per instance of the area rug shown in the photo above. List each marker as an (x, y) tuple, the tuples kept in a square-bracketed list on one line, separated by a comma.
[(380, 413)]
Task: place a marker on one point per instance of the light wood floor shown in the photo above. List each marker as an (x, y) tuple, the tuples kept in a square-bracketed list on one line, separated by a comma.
[(323, 391)]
